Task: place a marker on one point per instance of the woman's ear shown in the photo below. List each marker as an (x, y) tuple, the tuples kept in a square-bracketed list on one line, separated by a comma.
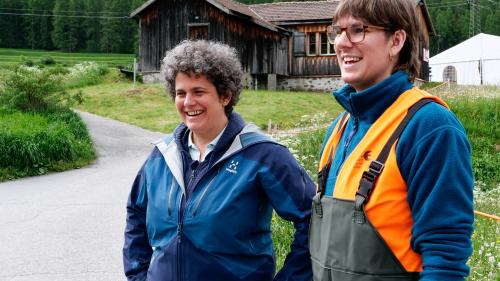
[(227, 98), (398, 41)]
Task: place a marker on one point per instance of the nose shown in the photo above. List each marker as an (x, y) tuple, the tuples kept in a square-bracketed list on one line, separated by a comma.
[(188, 99), (342, 40)]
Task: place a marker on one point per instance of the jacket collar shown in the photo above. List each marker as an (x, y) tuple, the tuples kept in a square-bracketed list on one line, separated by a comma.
[(369, 104), (234, 126)]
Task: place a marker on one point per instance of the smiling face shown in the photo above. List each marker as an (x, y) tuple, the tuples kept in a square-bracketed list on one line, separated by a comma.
[(199, 106), (365, 63)]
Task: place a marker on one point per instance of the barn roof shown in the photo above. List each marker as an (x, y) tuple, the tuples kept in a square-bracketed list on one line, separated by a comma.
[(229, 7), (270, 15), (296, 11)]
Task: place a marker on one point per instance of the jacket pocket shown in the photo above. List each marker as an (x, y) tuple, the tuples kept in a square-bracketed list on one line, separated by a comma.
[(203, 194)]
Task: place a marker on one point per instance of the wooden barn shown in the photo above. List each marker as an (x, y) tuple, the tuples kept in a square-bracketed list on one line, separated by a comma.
[(281, 45)]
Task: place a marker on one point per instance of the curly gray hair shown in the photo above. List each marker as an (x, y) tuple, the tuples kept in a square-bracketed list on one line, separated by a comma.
[(217, 61)]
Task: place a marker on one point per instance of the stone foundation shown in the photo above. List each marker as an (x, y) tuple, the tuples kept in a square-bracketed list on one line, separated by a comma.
[(316, 84), (152, 78)]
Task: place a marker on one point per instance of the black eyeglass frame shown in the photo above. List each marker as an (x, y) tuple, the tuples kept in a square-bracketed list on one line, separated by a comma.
[(331, 37)]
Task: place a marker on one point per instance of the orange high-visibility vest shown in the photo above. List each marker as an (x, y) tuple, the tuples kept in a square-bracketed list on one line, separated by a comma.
[(387, 209)]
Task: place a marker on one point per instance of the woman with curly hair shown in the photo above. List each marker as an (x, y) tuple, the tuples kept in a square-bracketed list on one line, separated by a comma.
[(201, 205)]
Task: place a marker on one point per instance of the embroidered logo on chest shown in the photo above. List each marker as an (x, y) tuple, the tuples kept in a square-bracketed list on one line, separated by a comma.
[(233, 166)]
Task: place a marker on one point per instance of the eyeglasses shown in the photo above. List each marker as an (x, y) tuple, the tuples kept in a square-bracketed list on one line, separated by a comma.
[(355, 32)]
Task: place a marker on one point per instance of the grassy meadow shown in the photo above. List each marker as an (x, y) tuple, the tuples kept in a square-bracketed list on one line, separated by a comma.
[(10, 57), (150, 107)]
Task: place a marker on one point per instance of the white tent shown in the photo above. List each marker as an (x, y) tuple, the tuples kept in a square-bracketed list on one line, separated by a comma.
[(476, 61)]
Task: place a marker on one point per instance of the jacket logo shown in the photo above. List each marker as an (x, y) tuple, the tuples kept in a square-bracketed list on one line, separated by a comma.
[(365, 157), (232, 167)]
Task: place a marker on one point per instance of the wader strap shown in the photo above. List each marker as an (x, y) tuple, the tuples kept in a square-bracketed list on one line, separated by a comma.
[(376, 166), (323, 174)]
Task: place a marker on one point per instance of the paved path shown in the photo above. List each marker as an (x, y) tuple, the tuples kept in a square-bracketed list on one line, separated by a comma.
[(69, 226)]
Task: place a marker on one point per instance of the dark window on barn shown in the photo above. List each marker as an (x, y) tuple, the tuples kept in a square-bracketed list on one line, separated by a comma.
[(198, 31), (311, 44), (299, 44), (326, 47)]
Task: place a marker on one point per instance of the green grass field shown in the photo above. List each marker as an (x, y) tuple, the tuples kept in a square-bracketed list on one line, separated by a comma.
[(150, 107), (9, 57)]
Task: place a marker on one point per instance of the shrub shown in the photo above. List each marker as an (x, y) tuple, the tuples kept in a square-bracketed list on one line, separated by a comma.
[(34, 89), (35, 143), (47, 61), (84, 74)]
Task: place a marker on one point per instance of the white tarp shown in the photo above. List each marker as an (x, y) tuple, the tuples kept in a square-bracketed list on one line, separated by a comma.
[(476, 61)]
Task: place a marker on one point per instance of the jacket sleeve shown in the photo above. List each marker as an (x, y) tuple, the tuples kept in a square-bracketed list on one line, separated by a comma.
[(136, 250), (290, 191), (434, 158)]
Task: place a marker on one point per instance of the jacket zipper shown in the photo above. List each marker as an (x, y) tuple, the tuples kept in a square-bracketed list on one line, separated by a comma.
[(170, 193), (195, 209), (349, 139), (179, 235)]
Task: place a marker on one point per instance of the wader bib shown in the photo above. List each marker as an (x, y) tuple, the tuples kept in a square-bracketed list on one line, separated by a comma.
[(363, 232)]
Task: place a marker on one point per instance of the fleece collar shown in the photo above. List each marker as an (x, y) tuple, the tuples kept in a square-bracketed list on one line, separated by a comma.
[(369, 104)]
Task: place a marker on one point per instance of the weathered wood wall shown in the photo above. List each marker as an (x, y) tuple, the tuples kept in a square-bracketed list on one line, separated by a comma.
[(313, 65), (165, 23)]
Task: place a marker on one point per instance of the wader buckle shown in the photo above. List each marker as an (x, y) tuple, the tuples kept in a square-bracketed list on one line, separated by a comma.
[(365, 188), (318, 209)]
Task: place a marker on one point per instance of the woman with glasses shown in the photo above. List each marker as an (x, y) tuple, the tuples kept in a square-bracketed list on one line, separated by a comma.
[(200, 208), (395, 181)]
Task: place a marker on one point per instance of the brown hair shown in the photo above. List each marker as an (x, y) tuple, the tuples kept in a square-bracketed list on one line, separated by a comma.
[(394, 15)]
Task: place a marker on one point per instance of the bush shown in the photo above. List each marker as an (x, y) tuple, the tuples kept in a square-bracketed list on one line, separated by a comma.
[(35, 143), (47, 61), (85, 74), (34, 89)]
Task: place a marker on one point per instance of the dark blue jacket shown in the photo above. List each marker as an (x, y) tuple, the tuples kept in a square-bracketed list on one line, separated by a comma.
[(433, 155), (216, 224)]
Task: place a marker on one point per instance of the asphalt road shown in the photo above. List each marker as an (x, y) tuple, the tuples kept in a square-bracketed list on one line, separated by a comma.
[(69, 226)]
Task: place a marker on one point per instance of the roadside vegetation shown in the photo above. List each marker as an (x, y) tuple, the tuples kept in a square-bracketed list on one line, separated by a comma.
[(39, 132)]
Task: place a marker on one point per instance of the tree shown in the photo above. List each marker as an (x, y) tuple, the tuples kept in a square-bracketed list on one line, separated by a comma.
[(93, 27), (38, 28), (12, 25), (116, 30)]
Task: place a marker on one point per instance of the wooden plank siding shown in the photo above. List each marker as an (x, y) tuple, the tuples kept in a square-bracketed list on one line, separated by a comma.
[(166, 23), (313, 65)]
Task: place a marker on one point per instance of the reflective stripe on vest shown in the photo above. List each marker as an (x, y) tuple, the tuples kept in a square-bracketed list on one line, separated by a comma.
[(387, 209)]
